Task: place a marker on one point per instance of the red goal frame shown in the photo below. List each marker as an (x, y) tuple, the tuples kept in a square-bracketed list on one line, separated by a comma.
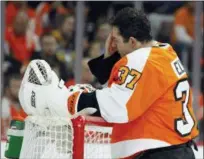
[(79, 124)]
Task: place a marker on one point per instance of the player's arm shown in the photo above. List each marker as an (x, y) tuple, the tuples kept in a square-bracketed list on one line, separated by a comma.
[(180, 28), (128, 98), (89, 100), (120, 102), (101, 66)]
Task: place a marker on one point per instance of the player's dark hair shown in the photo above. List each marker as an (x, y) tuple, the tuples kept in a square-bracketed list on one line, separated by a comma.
[(132, 22)]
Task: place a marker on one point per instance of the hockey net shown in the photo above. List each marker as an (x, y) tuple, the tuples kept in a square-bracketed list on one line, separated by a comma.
[(62, 138)]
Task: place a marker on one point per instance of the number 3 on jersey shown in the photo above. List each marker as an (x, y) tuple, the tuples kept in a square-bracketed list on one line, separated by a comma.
[(184, 124)]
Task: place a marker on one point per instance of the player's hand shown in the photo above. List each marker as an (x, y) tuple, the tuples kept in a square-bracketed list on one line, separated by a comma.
[(87, 88), (73, 99), (110, 46)]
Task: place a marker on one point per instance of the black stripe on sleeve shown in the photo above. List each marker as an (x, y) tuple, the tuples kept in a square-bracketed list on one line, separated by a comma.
[(101, 67), (89, 100)]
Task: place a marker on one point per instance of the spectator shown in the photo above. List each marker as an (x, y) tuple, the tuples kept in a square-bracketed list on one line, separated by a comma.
[(65, 33), (101, 35), (36, 16), (10, 104), (183, 30), (54, 56), (13, 8), (87, 77), (41, 19), (95, 50), (20, 43), (165, 7), (57, 10)]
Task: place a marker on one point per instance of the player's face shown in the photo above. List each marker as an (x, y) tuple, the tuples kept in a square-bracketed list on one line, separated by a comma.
[(123, 47), (68, 26)]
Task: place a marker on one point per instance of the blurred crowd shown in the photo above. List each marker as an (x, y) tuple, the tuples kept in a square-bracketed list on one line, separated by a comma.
[(46, 30)]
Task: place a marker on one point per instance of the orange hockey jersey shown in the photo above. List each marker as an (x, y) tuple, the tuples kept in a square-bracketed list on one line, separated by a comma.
[(149, 99)]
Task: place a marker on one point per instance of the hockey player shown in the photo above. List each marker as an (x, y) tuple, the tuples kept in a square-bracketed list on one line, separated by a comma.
[(146, 94)]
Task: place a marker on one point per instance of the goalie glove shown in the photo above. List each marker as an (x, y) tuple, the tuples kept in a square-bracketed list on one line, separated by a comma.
[(33, 87), (86, 88), (73, 99), (63, 102), (42, 93), (36, 90)]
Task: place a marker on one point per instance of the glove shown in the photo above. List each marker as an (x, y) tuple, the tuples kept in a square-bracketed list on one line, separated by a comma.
[(42, 93), (87, 88), (36, 91), (33, 87), (73, 99), (63, 102)]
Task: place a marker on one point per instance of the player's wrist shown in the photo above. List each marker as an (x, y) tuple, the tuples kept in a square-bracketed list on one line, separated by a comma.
[(89, 103), (101, 67), (74, 100)]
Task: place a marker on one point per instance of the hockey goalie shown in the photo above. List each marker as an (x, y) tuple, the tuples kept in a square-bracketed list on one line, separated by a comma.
[(146, 96)]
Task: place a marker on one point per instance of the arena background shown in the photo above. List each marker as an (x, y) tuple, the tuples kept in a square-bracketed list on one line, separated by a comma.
[(67, 34)]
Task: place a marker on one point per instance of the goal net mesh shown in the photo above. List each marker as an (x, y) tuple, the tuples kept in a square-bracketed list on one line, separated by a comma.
[(53, 138)]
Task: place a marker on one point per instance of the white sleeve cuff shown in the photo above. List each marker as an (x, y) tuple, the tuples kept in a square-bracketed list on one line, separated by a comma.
[(182, 35)]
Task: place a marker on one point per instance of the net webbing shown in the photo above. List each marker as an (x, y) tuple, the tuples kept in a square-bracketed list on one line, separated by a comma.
[(49, 137)]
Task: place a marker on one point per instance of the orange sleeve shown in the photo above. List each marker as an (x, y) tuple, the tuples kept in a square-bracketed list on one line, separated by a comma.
[(6, 34), (22, 114), (18, 46), (31, 13), (180, 17), (17, 114), (10, 13), (19, 50)]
